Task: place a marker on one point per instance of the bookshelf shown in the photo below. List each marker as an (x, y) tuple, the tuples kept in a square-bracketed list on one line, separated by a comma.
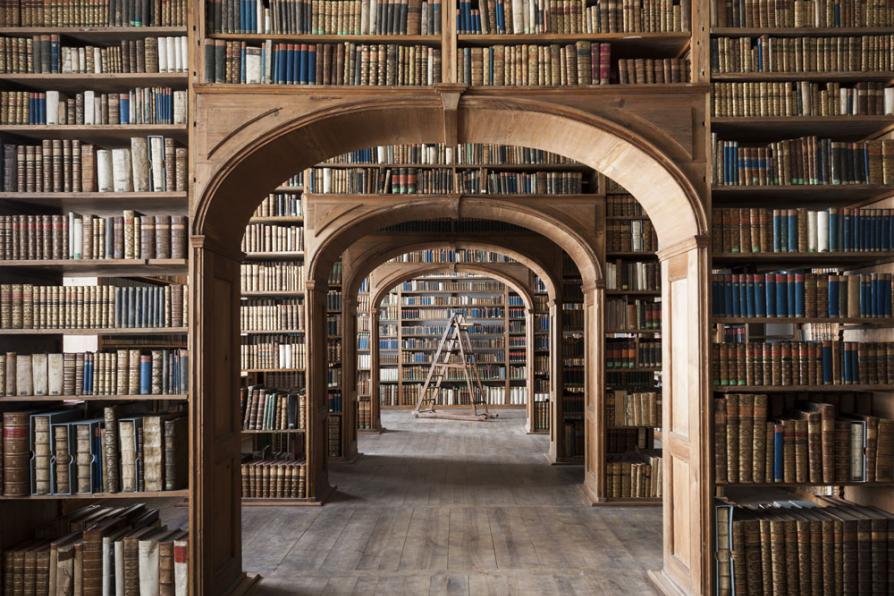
[(631, 399), (94, 267), (273, 323), (786, 431)]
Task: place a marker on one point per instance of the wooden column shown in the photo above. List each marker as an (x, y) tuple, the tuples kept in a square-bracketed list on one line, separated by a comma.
[(318, 410), (555, 380), (375, 407), (529, 370), (685, 271), (594, 382), (215, 542), (348, 376)]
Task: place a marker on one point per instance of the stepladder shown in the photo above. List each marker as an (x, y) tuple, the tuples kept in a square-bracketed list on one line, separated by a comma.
[(455, 363)]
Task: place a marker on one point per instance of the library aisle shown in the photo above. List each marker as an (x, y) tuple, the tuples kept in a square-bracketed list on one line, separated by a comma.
[(443, 506)]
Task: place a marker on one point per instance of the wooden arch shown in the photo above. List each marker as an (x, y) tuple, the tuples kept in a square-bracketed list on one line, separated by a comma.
[(250, 142)]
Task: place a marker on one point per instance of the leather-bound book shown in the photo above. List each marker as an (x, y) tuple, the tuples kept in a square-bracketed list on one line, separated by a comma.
[(759, 438), (176, 458), (111, 475), (153, 453), (732, 437)]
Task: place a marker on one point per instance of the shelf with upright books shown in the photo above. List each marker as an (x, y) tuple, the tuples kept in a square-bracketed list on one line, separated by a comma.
[(93, 398), (166, 494), (97, 133)]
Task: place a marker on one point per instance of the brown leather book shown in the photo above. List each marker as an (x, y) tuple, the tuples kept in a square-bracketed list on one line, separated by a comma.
[(16, 454)]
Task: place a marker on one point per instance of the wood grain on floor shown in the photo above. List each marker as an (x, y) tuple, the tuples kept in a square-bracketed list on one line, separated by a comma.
[(453, 507)]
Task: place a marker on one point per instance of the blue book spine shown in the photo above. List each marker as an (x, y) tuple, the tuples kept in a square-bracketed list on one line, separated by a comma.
[(777, 231), (781, 296), (848, 236), (778, 448), (145, 375), (302, 65), (790, 292), (749, 295), (834, 219), (833, 296), (737, 298), (770, 283), (826, 358), (799, 295), (761, 306)]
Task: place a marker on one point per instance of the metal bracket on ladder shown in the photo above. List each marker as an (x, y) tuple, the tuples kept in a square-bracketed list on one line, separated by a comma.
[(454, 352)]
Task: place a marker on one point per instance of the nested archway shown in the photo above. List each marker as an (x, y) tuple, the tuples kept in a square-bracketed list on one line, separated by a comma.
[(235, 174)]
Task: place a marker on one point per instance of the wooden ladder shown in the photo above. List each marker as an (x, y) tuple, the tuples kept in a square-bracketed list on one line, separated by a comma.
[(454, 352)]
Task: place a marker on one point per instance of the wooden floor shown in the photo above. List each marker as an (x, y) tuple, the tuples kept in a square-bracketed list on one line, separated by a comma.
[(452, 507)]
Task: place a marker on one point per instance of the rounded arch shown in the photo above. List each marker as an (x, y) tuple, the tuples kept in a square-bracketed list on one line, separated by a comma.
[(281, 142), (397, 278), (371, 260)]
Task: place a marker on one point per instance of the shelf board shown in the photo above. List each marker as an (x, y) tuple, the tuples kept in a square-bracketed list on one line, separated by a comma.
[(826, 388), (285, 502), (797, 31), (629, 501), (665, 44), (164, 494), (93, 331), (801, 484), (627, 253), (867, 258), (101, 398), (460, 166), (271, 370), (263, 256), (868, 322), (815, 194), (278, 219), (631, 369), (269, 332), (286, 431), (96, 33), (633, 292), (99, 133), (167, 202), (633, 331), (74, 82), (839, 76), (273, 294), (339, 38), (292, 189), (104, 267), (843, 128)]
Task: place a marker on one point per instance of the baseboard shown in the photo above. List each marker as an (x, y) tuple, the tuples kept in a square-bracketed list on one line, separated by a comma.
[(246, 585), (664, 584)]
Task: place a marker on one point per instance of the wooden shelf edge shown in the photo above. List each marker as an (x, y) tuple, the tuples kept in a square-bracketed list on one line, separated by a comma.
[(90, 398), (165, 494)]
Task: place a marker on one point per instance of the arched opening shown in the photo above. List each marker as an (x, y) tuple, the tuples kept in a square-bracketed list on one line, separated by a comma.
[(230, 192)]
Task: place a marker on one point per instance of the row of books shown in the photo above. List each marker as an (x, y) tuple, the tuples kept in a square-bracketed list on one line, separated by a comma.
[(271, 315), (823, 546), (800, 98), (756, 230), (812, 363), (440, 300), (273, 238), (47, 54), (637, 314), (456, 285), (541, 414), (100, 549), (814, 444), (271, 276), (60, 452), (632, 275), (500, 396), (270, 409), (272, 351), (819, 295), (333, 435), (448, 255), (280, 204), (643, 353), (119, 372), (580, 63), (474, 154), (623, 408), (346, 63), (558, 16), (636, 235), (430, 181), (438, 314), (141, 105), (325, 17), (274, 479), (815, 13), (851, 53), (625, 440), (333, 302), (76, 236), (805, 160), (622, 206), (26, 306), (363, 414), (150, 164), (634, 479), (87, 13)]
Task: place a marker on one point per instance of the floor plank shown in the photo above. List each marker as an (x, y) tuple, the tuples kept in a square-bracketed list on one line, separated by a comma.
[(456, 508)]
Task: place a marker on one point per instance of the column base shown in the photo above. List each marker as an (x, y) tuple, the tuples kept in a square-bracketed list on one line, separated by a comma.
[(664, 584)]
